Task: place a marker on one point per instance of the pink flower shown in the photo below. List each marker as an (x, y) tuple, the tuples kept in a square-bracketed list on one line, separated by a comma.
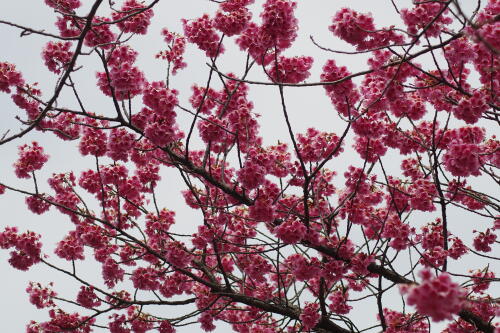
[(145, 278), (175, 52), (27, 247), (166, 327), (252, 175), (290, 70), (463, 159), (64, 5), (87, 298), (214, 130), (37, 205), (69, 26), (359, 30), (138, 19), (291, 232), (437, 297), (93, 140), (201, 32), (100, 35), (206, 320), (70, 248), (120, 144), (111, 272), (310, 316), (338, 301), (31, 158), (232, 22), (343, 95), (9, 77), (484, 240), (62, 321), (40, 296), (422, 14), (57, 55), (302, 268), (177, 255), (470, 109), (279, 22)]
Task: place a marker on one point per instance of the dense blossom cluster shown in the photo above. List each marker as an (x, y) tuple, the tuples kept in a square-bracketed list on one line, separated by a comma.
[(277, 32), (359, 30), (41, 297), (123, 80), (232, 22), (100, 35), (9, 77), (290, 70), (27, 247), (64, 5), (57, 55), (344, 95), (175, 53), (437, 297), (431, 16), (31, 158), (158, 122), (201, 32), (133, 17), (292, 234)]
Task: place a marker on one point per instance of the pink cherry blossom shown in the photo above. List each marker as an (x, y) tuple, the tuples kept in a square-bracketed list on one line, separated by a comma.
[(437, 296)]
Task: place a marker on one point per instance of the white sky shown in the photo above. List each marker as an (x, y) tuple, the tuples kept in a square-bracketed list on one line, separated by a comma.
[(308, 107)]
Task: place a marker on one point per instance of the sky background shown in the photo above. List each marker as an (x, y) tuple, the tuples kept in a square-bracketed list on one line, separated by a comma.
[(308, 107)]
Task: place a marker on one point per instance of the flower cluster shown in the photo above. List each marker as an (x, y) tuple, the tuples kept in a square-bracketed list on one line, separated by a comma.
[(64, 5), (145, 278), (359, 30), (315, 145), (302, 268), (175, 52), (290, 70), (470, 109), (310, 316), (100, 35), (428, 15), (9, 77), (69, 26), (201, 32), (70, 248), (277, 32), (124, 80), (437, 297), (120, 142), (344, 95), (291, 231), (398, 322), (463, 159), (93, 140), (62, 321), (133, 17), (251, 175), (31, 158), (27, 247), (232, 22), (37, 204), (279, 22), (87, 298), (57, 55), (484, 240), (41, 297), (160, 126)]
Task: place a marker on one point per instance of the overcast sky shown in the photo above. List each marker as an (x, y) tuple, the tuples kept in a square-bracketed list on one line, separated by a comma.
[(308, 107)]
